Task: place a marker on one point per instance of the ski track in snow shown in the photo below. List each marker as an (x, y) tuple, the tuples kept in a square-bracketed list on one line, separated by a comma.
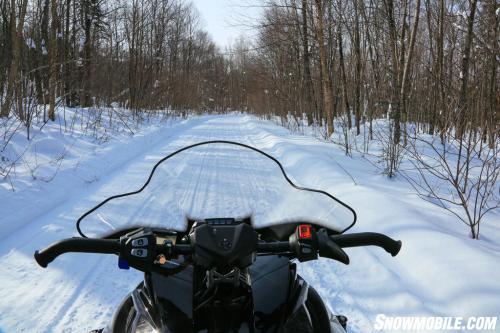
[(439, 270)]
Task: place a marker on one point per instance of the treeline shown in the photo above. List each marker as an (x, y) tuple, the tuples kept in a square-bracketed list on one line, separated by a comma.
[(137, 54), (429, 63), (433, 63), (427, 66)]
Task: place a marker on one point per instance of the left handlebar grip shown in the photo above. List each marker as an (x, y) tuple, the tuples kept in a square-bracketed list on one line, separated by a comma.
[(77, 244)]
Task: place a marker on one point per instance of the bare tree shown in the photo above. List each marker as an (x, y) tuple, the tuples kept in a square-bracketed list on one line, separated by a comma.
[(53, 60), (308, 84), (327, 93), (470, 191), (16, 30)]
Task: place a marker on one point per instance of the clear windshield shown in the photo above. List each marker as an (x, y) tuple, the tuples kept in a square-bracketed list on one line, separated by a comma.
[(217, 180)]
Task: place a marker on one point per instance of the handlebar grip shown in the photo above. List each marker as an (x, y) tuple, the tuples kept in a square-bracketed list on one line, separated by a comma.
[(76, 244), (274, 247), (368, 238), (182, 249)]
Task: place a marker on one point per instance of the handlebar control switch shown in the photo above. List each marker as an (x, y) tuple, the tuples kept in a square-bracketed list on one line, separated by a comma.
[(304, 243), (139, 249), (143, 241), (304, 231), (141, 253)]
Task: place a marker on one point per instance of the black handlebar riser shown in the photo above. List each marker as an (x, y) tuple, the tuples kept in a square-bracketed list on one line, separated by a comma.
[(76, 244)]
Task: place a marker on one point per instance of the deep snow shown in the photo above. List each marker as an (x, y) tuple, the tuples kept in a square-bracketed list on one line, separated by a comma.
[(439, 271)]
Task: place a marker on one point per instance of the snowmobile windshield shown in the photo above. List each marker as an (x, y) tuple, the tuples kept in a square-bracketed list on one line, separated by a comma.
[(216, 179)]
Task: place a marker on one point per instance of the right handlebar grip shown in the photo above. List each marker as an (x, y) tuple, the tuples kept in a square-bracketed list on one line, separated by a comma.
[(368, 238), (77, 244)]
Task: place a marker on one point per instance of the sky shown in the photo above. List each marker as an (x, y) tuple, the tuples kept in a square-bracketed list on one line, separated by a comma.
[(226, 20)]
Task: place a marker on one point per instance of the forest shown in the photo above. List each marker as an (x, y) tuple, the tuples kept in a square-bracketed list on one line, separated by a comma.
[(429, 63)]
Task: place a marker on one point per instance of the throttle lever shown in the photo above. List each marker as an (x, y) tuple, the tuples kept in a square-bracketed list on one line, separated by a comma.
[(329, 249)]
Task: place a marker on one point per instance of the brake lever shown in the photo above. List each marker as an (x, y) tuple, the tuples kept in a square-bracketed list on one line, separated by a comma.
[(329, 249)]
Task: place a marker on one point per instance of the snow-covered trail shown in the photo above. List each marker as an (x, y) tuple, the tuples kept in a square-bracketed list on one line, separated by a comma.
[(79, 292)]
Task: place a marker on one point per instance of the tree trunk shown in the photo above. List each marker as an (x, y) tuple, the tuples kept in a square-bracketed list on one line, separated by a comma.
[(493, 98), (17, 40), (463, 97), (327, 92), (395, 98), (357, 51), (53, 60), (88, 16), (307, 63), (440, 73), (343, 74), (408, 60)]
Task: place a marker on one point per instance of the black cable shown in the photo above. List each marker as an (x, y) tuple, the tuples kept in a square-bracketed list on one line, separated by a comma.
[(207, 143)]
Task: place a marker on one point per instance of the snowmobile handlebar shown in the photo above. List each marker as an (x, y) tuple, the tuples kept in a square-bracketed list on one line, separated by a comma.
[(326, 246)]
